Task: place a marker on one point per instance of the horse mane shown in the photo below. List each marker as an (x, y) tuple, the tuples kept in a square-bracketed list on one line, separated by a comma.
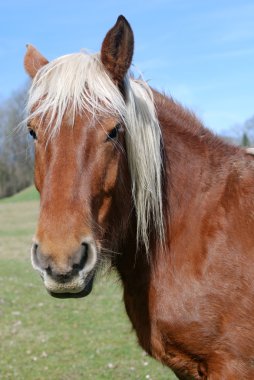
[(77, 83), (182, 122)]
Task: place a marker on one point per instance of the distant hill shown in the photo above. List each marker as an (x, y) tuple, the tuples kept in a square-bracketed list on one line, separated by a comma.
[(29, 194)]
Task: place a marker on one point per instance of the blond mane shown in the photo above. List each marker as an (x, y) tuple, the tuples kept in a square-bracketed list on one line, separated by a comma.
[(79, 83)]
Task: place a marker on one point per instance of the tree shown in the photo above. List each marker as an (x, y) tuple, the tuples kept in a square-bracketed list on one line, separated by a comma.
[(249, 127), (245, 140), (16, 161), (249, 124)]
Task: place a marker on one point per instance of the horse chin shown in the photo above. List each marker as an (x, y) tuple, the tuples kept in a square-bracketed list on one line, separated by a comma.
[(83, 293)]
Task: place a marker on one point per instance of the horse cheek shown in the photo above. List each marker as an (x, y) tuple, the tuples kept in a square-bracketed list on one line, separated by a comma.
[(39, 172), (104, 209), (106, 183)]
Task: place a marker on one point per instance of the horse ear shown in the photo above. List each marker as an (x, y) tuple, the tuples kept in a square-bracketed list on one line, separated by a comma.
[(33, 61), (117, 50)]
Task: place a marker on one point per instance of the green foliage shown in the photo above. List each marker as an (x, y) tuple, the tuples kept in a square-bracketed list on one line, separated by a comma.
[(245, 140), (45, 338)]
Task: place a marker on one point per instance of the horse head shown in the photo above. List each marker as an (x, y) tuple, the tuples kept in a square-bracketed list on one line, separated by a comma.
[(79, 150)]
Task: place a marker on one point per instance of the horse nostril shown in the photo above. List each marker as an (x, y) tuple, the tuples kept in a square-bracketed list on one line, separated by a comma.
[(47, 265), (84, 255), (34, 250), (82, 258), (49, 270), (38, 259)]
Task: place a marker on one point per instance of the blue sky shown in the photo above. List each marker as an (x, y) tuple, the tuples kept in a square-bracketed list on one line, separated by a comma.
[(199, 51)]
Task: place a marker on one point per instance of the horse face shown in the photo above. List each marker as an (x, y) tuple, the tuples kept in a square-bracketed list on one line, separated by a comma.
[(76, 171)]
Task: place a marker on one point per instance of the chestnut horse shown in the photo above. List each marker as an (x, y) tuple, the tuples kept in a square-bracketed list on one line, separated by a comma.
[(125, 170)]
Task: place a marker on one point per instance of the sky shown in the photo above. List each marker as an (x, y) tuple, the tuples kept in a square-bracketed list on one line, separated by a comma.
[(201, 52)]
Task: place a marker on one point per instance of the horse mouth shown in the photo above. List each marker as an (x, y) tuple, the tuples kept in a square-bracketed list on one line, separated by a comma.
[(83, 293)]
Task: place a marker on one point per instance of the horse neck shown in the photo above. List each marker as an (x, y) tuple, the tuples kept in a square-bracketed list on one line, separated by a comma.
[(193, 159), (196, 166)]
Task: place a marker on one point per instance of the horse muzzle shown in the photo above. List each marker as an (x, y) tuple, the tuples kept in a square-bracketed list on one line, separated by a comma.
[(70, 277), (73, 292)]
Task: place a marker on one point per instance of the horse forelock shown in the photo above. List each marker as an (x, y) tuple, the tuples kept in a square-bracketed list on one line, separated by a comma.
[(78, 83)]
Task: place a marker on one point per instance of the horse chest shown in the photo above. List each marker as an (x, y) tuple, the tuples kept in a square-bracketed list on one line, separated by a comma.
[(176, 325), (157, 337)]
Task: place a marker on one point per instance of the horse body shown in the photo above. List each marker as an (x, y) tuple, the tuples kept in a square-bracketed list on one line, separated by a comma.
[(192, 305), (188, 291)]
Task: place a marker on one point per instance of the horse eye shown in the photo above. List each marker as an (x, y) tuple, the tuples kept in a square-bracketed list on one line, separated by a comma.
[(33, 134), (114, 133)]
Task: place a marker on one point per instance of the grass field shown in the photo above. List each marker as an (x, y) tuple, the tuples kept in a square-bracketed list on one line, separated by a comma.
[(45, 338)]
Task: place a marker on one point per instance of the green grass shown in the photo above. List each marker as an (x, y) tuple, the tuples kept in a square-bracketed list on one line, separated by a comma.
[(29, 194), (46, 338)]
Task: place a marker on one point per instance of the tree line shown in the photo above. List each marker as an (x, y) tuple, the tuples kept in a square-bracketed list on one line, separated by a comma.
[(16, 157)]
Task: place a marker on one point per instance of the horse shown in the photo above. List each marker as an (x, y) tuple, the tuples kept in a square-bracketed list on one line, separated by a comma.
[(126, 173)]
